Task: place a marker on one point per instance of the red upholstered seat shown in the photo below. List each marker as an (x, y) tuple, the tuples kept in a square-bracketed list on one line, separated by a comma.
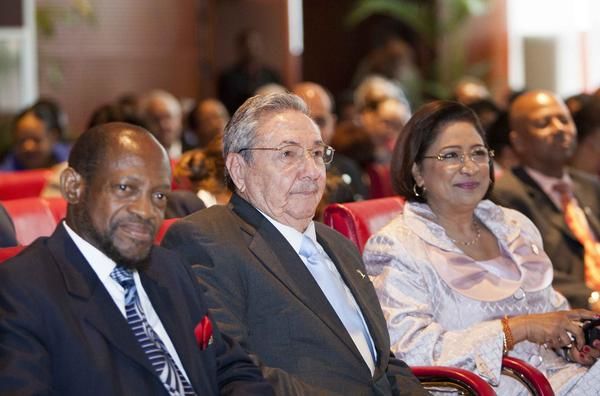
[(23, 184), (359, 220), (8, 252), (381, 182), (163, 229), (34, 217)]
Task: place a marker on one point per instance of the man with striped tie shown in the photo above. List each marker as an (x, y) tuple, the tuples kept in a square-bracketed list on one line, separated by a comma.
[(96, 308)]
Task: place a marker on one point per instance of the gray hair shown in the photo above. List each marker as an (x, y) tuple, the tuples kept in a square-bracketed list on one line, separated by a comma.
[(242, 130)]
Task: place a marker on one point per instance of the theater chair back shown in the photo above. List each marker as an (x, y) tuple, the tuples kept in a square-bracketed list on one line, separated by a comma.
[(34, 217), (163, 229), (8, 252), (23, 184), (357, 221), (380, 181)]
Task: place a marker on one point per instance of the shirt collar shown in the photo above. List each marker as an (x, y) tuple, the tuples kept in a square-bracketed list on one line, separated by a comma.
[(547, 183), (100, 263), (293, 236)]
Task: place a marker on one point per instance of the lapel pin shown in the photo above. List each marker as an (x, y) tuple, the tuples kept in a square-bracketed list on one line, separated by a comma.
[(535, 249), (361, 274)]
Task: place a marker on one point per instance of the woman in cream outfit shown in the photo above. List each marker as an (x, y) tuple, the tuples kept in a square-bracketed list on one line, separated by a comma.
[(463, 281)]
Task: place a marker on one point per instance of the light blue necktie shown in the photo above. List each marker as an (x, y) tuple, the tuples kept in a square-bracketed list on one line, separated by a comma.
[(342, 301), (164, 365)]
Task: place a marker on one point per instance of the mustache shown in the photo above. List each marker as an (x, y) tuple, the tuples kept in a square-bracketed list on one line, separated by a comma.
[(306, 187), (136, 220)]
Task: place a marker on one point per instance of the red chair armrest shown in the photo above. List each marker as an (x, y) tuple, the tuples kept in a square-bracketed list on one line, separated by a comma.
[(8, 252), (464, 379), (163, 229), (536, 381)]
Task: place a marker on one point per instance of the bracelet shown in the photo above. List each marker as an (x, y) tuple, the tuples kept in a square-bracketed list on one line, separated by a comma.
[(509, 341)]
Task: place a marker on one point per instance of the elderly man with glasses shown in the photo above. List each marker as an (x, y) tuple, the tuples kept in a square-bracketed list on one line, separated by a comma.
[(292, 291)]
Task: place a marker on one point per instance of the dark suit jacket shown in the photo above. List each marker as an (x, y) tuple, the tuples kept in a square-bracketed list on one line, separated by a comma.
[(261, 293), (517, 190), (7, 229), (61, 333)]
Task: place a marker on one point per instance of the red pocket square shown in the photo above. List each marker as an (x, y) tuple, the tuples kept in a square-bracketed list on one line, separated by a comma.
[(204, 333)]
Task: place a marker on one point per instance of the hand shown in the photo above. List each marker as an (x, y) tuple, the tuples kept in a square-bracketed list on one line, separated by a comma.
[(587, 356), (551, 329)]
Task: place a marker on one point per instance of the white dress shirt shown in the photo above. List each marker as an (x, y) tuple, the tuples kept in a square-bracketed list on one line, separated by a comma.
[(294, 237), (103, 266)]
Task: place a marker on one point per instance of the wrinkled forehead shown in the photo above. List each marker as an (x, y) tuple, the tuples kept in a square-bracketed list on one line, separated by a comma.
[(288, 127)]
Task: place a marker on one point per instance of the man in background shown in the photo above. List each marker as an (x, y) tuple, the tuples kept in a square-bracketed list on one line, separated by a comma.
[(563, 203)]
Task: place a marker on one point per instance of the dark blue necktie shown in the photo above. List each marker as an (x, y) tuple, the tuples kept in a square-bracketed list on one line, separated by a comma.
[(164, 365)]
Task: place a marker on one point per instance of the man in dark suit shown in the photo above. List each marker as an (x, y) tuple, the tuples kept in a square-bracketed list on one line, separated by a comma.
[(544, 137), (293, 292), (96, 309)]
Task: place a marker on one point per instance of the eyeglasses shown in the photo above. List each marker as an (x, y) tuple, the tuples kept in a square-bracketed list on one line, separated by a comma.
[(480, 156), (291, 154)]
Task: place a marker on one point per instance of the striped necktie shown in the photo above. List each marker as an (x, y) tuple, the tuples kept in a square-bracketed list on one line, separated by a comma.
[(162, 362), (579, 226)]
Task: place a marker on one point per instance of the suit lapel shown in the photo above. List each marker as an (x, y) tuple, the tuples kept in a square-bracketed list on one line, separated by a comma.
[(278, 257), (360, 287), (550, 211), (588, 200), (96, 307)]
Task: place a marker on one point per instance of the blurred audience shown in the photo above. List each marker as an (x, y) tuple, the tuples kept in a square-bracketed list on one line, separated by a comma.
[(587, 154), (352, 140), (384, 121), (373, 90), (499, 141), (164, 115), (563, 203), (240, 81), (469, 90), (205, 122), (392, 58), (486, 110), (36, 131), (203, 172), (342, 170)]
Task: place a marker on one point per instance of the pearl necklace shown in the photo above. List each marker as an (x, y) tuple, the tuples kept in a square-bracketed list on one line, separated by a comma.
[(472, 241)]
